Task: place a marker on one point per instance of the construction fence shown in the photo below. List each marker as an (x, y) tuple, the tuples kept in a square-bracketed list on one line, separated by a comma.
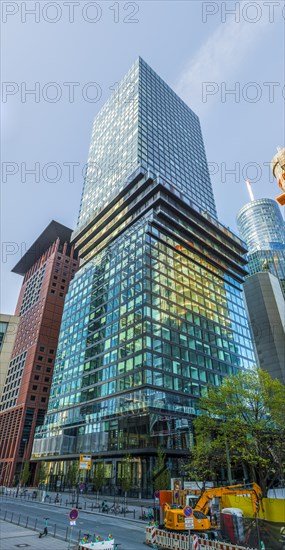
[(158, 538), (102, 545)]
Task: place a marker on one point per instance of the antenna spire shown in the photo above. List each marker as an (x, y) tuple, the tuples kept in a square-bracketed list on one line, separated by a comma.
[(249, 190)]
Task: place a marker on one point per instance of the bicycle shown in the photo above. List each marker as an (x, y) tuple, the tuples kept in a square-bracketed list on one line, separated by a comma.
[(115, 509), (45, 531)]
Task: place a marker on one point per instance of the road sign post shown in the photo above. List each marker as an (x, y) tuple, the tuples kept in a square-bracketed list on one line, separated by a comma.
[(70, 537), (189, 522), (73, 515)]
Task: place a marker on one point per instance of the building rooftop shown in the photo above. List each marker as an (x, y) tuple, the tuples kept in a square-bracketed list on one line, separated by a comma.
[(50, 234)]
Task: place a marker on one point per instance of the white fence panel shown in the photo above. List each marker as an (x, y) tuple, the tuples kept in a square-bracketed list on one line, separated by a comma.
[(158, 538)]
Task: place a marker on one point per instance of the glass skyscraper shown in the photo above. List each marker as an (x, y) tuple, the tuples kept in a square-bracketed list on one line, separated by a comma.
[(261, 226), (155, 313), (145, 124)]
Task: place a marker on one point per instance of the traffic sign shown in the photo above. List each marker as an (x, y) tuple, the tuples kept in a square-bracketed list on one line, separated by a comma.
[(188, 512), (72, 522), (189, 523), (73, 514), (85, 462)]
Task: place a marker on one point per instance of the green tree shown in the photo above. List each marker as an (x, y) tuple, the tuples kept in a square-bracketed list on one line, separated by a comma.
[(126, 479), (72, 473), (98, 476), (41, 474), (242, 425), (25, 473), (206, 459), (161, 475)]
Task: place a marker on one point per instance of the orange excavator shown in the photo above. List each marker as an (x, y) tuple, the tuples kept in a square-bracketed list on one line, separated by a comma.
[(174, 515)]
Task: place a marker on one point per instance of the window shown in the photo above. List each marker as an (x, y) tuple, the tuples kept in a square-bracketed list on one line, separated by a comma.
[(32, 398), (45, 389), (36, 377), (48, 369), (42, 348), (38, 367), (47, 378), (43, 399), (34, 388), (40, 357)]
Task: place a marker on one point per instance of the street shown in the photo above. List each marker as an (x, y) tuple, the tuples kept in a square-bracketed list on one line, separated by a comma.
[(129, 534)]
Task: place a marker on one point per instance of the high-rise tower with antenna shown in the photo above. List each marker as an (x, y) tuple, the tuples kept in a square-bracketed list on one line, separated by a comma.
[(261, 226)]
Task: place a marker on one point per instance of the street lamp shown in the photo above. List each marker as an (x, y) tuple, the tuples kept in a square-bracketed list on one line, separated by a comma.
[(22, 466)]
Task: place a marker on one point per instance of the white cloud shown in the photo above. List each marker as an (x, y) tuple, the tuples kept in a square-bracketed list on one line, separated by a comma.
[(219, 58)]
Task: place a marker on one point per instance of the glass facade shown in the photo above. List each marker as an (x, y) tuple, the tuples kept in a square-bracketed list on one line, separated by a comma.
[(131, 131), (148, 323), (155, 313), (261, 226)]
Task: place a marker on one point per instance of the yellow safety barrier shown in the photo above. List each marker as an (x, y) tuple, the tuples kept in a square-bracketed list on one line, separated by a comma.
[(273, 507)]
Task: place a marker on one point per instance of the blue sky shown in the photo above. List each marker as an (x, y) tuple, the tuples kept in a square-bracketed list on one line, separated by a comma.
[(199, 48)]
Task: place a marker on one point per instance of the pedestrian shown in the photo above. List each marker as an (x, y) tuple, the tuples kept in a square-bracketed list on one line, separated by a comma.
[(45, 531), (104, 506)]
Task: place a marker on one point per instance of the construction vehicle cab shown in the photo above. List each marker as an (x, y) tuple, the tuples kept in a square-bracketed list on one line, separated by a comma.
[(191, 500)]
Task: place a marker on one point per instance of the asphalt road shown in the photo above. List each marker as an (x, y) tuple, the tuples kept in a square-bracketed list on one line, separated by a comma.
[(129, 534)]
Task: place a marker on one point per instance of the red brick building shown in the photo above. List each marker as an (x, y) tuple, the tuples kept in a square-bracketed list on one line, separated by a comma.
[(47, 267)]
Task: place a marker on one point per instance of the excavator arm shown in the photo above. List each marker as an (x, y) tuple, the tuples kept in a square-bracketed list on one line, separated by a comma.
[(254, 491)]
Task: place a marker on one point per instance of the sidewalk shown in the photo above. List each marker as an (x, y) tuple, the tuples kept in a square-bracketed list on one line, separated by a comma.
[(133, 502), (137, 510), (12, 536), (145, 502)]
